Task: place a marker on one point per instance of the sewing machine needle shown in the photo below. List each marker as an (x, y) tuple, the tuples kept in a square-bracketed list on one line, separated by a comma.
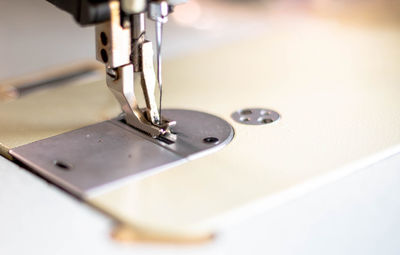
[(159, 27)]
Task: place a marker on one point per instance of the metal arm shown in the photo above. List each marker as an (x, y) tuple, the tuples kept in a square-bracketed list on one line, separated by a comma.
[(127, 55)]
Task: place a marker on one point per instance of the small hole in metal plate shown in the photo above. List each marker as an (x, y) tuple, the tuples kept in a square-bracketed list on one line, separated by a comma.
[(104, 55), (265, 120), (265, 112), (246, 112), (211, 139), (62, 165), (244, 119), (103, 38)]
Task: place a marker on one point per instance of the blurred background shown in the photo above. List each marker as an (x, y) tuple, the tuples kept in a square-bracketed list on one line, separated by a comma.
[(34, 35)]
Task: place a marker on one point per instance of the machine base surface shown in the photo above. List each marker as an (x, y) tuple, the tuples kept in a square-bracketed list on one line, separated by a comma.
[(101, 156)]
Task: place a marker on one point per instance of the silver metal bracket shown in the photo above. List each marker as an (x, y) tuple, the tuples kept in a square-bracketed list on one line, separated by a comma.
[(122, 47), (99, 157)]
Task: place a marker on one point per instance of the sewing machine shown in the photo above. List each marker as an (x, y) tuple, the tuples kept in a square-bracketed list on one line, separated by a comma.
[(121, 45), (268, 124), (143, 139)]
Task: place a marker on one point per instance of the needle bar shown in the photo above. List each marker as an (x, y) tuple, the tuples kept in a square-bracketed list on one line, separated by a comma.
[(159, 27)]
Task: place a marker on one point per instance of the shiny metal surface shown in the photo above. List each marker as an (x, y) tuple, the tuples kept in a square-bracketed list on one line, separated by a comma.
[(122, 88), (255, 116), (122, 47), (113, 41), (138, 37), (133, 6), (137, 6), (159, 31), (158, 12), (102, 156), (149, 83)]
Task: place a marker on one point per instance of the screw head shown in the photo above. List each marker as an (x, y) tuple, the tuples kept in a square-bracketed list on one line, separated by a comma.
[(211, 140), (255, 116)]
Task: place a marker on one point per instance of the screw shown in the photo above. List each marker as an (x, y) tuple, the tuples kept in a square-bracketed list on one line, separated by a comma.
[(62, 165), (255, 116), (210, 140), (112, 73)]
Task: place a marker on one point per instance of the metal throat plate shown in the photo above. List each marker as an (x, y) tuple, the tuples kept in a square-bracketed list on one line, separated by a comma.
[(101, 156)]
